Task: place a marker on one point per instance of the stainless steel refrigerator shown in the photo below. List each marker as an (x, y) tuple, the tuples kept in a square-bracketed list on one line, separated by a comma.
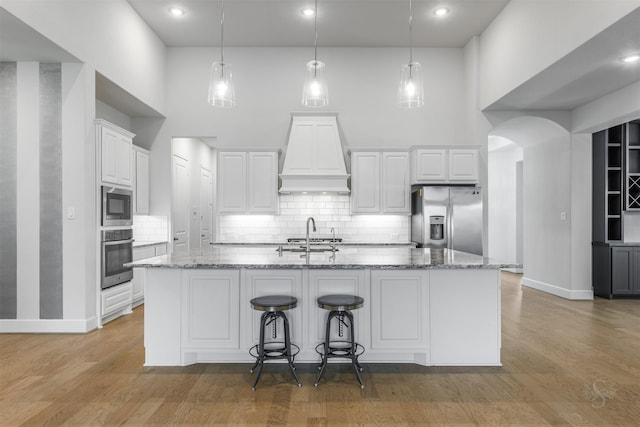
[(447, 217)]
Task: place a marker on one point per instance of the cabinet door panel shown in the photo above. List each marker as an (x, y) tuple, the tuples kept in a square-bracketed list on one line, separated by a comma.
[(399, 318), (463, 165), (622, 271), (232, 182), (125, 171), (430, 166), (365, 182), (263, 182), (395, 183), (275, 282), (109, 155), (327, 282), (211, 309), (141, 182), (636, 271)]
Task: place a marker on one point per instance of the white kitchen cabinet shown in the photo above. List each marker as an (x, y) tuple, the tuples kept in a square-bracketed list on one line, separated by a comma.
[(444, 165), (116, 301), (259, 283), (365, 182), (429, 166), (327, 282), (380, 182), (140, 161), (248, 181), (137, 283), (463, 165), (398, 316), (115, 153), (210, 310)]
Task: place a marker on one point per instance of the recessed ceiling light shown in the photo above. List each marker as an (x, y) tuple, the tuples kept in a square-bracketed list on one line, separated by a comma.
[(176, 11), (307, 11), (630, 59), (441, 11)]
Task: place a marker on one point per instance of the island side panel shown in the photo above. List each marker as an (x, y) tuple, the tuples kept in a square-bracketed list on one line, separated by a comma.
[(465, 317), (399, 316), (162, 316)]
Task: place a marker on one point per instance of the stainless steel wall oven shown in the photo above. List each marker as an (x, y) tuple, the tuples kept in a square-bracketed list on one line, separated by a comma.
[(117, 250)]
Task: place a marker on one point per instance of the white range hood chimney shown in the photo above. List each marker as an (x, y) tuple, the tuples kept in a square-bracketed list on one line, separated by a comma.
[(314, 161)]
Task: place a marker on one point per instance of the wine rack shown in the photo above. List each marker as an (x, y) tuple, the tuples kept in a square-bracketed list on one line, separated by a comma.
[(633, 166)]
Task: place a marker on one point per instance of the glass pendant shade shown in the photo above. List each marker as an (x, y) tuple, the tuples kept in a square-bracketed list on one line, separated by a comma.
[(411, 89), (221, 90), (315, 92)]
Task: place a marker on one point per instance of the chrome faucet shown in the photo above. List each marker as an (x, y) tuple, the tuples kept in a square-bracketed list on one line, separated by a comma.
[(333, 240), (313, 221)]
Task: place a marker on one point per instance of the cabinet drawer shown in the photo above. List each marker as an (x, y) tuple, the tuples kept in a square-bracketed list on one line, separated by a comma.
[(116, 298)]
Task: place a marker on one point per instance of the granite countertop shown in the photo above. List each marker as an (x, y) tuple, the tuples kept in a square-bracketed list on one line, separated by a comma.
[(345, 258), (291, 244)]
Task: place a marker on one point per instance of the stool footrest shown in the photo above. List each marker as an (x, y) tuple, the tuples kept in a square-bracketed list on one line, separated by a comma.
[(340, 349), (271, 353)]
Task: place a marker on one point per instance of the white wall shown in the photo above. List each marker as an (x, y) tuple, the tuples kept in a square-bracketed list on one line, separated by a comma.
[(109, 35), (362, 89), (502, 200), (110, 114), (530, 35), (617, 107)]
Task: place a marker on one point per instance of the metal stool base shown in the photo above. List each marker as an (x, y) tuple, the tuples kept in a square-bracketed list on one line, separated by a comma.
[(273, 350), (340, 349)]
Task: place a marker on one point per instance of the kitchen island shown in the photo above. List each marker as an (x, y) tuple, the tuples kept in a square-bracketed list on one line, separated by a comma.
[(431, 307)]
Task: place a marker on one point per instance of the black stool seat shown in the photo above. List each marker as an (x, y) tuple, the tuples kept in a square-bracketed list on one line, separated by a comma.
[(273, 307), (340, 306), (273, 303), (340, 302)]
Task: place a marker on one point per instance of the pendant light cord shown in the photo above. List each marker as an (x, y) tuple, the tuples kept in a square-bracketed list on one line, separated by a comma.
[(410, 35), (222, 35), (315, 42)]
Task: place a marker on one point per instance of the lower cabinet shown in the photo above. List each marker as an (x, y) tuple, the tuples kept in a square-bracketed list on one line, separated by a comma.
[(137, 282), (398, 317), (116, 301), (210, 310), (616, 271)]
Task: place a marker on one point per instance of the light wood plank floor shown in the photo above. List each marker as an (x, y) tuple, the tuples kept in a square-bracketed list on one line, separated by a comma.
[(564, 363)]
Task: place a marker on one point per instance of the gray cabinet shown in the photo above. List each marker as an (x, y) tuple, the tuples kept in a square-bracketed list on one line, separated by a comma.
[(616, 271)]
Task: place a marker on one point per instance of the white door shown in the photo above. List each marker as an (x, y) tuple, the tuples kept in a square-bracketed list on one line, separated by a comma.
[(180, 206), (206, 188)]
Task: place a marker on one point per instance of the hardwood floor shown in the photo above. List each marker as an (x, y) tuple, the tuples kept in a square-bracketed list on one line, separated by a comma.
[(564, 363)]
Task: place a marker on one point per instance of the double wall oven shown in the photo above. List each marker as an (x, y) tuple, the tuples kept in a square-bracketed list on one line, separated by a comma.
[(116, 236)]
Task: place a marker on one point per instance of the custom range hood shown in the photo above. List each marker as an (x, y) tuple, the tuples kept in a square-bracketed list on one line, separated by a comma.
[(314, 161)]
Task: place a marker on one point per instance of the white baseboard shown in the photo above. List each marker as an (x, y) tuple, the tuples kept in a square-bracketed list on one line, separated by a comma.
[(556, 290), (48, 326)]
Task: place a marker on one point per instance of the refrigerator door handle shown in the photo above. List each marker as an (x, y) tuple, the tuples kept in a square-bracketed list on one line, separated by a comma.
[(450, 225)]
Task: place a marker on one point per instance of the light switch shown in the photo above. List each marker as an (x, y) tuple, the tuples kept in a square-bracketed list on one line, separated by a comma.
[(71, 212), (563, 216)]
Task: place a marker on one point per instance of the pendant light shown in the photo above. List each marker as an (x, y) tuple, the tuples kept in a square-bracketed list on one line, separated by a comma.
[(315, 92), (411, 90), (221, 90)]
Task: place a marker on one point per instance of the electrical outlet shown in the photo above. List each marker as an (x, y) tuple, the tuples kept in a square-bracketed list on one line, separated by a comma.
[(563, 216)]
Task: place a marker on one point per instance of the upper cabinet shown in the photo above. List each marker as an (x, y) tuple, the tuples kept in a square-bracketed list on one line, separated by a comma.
[(247, 181), (380, 182), (140, 161), (115, 153), (444, 165)]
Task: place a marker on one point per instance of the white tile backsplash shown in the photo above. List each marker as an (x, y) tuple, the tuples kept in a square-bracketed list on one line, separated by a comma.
[(148, 228), (327, 210)]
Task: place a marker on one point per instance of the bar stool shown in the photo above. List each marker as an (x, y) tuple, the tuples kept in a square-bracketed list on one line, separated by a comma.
[(273, 307), (340, 306)]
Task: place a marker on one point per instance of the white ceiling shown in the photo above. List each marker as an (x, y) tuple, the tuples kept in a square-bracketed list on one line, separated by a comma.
[(359, 23)]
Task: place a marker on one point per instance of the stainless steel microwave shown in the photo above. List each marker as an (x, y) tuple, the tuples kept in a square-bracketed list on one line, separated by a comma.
[(117, 206)]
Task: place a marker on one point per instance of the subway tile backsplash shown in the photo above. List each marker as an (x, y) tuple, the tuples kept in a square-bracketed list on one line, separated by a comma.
[(329, 211), (148, 228)]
